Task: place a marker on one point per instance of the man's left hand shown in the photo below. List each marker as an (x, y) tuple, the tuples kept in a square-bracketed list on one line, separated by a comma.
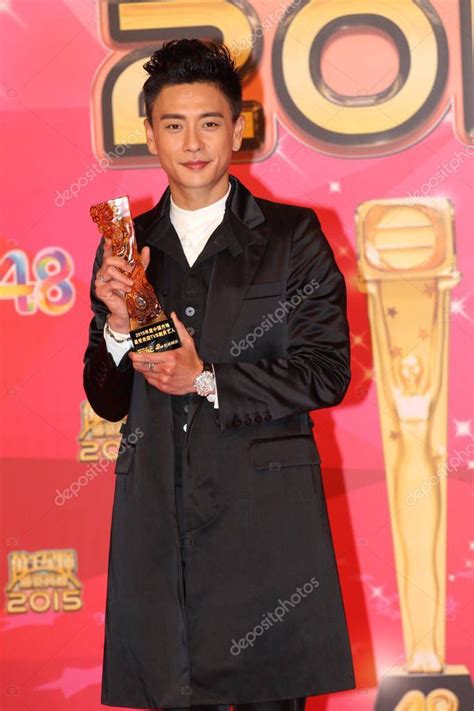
[(173, 371)]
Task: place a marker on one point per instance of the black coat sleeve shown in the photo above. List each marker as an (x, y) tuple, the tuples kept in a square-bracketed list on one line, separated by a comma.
[(108, 387), (316, 372)]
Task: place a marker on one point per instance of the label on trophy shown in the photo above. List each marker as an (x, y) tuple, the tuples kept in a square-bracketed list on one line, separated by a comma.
[(151, 329), (158, 336)]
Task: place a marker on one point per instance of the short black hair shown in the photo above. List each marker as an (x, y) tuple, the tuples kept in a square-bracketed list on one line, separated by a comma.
[(186, 61)]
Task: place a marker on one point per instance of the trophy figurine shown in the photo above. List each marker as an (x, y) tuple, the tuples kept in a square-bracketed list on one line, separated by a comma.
[(407, 266), (150, 328)]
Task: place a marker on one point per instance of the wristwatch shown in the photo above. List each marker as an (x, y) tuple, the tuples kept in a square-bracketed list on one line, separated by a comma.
[(204, 382)]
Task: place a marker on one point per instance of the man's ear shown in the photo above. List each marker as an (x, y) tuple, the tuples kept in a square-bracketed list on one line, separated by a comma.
[(238, 132), (150, 139)]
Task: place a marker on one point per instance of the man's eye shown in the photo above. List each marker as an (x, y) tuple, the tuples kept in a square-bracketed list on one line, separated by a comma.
[(213, 123), (173, 125)]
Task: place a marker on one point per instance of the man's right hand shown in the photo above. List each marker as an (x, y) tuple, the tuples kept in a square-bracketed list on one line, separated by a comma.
[(112, 282)]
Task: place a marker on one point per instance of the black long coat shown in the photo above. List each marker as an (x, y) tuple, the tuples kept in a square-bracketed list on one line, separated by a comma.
[(263, 616)]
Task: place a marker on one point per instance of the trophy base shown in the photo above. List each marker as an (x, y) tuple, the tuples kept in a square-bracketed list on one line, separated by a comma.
[(157, 335), (450, 690)]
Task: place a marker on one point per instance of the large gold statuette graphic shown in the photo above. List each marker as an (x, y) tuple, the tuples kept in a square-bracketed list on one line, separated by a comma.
[(151, 329), (407, 265)]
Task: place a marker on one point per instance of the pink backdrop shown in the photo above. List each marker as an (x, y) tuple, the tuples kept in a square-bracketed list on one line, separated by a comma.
[(51, 52)]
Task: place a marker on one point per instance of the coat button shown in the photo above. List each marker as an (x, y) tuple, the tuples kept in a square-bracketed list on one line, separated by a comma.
[(189, 310), (190, 330), (185, 426), (185, 408), (187, 542)]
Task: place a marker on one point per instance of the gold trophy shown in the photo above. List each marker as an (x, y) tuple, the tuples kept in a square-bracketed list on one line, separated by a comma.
[(151, 329), (407, 265)]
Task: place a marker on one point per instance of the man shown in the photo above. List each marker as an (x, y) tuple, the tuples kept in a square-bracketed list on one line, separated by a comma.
[(222, 580)]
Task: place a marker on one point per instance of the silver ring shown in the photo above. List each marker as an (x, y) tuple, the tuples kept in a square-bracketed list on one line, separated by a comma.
[(100, 277), (151, 366)]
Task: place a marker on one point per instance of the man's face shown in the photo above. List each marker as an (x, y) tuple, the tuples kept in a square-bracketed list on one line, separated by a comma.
[(193, 122)]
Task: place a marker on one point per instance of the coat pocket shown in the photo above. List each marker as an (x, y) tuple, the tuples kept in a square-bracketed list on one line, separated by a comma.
[(269, 288), (275, 453), (281, 475)]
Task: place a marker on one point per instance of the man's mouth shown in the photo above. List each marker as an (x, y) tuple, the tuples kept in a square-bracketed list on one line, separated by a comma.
[(196, 164)]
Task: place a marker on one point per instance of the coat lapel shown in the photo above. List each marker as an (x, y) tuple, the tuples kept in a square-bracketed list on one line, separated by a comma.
[(230, 280)]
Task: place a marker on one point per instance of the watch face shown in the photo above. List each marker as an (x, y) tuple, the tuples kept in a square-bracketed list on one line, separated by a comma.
[(204, 383)]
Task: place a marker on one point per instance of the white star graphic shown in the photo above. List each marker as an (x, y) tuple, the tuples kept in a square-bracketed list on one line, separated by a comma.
[(377, 592), (5, 7), (457, 308), (463, 428), (358, 339)]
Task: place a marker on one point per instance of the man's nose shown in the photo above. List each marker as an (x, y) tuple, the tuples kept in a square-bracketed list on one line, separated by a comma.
[(192, 139)]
